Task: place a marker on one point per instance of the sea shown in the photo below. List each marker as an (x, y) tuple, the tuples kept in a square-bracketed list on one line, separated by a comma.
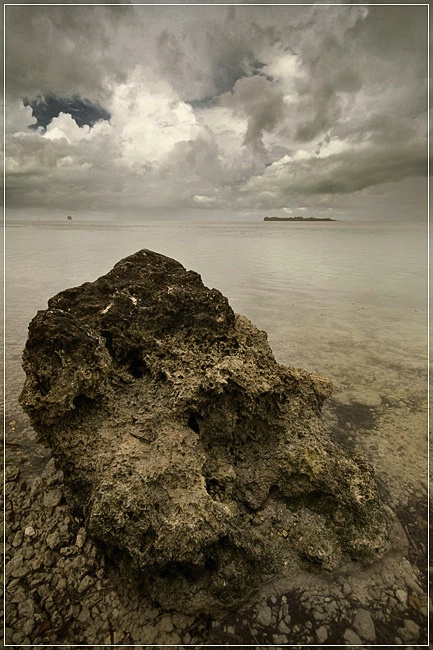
[(345, 299)]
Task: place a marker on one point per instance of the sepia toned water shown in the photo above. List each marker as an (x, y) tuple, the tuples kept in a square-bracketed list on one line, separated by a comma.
[(345, 299)]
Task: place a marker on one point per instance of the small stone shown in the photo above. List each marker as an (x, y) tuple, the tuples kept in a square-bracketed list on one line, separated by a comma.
[(117, 636), (401, 596), (29, 531), (85, 583), (331, 608), (351, 638), (321, 634), (347, 589), (12, 473), (412, 584), (18, 638), (18, 539), (49, 558), (81, 538), (165, 624), (52, 498), (16, 568), (364, 626), (66, 551), (61, 585), (410, 632), (279, 639), (29, 552), (283, 627), (264, 615), (38, 577), (53, 540), (84, 615), (49, 604), (175, 639)]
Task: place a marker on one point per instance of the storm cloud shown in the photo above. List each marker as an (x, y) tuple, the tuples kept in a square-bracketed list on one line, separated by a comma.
[(263, 104), (222, 109), (82, 110)]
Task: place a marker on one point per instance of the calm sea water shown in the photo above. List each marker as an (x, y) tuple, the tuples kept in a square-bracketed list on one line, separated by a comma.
[(345, 299)]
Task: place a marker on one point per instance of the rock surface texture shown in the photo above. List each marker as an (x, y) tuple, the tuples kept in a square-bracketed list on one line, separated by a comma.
[(198, 462)]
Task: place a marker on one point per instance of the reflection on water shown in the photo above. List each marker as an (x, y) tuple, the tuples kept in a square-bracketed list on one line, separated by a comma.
[(346, 299)]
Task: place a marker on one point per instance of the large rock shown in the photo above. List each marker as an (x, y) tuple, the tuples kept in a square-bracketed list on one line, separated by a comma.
[(198, 461)]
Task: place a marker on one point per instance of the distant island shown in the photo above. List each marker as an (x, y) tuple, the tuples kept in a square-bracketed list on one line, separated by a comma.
[(297, 219)]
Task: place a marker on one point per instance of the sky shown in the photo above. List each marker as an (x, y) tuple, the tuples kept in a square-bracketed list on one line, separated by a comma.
[(132, 112)]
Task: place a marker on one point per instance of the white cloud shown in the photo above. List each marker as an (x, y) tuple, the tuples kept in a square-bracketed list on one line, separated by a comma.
[(199, 198), (64, 126), (149, 118)]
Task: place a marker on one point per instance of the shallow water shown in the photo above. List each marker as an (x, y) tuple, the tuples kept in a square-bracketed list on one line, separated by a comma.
[(345, 299)]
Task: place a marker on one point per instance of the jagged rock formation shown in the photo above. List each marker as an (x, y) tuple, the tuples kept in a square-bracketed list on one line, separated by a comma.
[(197, 459)]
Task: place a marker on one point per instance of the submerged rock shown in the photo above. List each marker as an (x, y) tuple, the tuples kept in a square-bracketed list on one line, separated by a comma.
[(198, 461)]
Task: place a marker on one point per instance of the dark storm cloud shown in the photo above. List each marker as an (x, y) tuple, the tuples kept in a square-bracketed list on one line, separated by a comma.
[(83, 111), (341, 174), (328, 77), (55, 48), (233, 53), (393, 32), (171, 57), (262, 102), (224, 69), (377, 53), (206, 51)]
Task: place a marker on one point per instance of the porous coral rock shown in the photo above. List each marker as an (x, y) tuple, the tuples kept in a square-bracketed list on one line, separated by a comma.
[(198, 461)]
